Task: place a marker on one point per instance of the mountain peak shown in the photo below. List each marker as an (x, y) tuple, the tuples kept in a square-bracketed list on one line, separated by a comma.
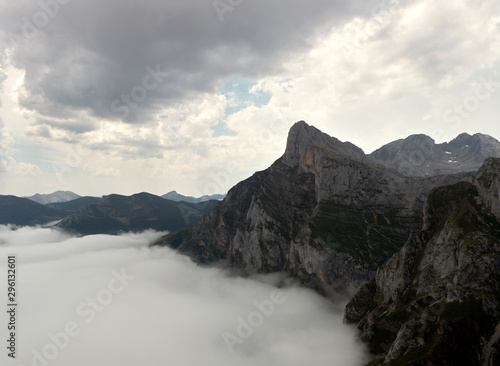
[(301, 130), (56, 197), (419, 154), (422, 138), (463, 135), (303, 138)]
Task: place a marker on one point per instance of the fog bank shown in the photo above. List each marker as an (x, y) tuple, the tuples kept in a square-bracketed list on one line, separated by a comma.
[(113, 300)]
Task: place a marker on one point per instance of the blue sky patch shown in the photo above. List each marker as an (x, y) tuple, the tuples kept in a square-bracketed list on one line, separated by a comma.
[(237, 91)]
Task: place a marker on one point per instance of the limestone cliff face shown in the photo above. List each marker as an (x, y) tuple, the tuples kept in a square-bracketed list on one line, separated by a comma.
[(437, 301), (323, 212), (488, 184)]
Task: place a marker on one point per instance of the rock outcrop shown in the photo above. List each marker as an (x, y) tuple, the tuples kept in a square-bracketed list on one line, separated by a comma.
[(437, 301), (323, 212), (488, 184)]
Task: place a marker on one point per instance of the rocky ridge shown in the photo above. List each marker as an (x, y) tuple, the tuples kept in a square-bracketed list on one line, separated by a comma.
[(437, 301), (114, 214), (174, 196), (419, 155), (324, 213)]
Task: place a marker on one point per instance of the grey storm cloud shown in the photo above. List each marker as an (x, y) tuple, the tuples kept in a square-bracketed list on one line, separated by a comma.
[(113, 300), (88, 56)]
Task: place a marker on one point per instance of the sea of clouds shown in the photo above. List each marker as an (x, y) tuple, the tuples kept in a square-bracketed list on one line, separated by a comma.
[(114, 300)]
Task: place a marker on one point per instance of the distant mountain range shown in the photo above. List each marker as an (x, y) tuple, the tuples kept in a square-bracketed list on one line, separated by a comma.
[(59, 196), (110, 214), (174, 196), (74, 205), (115, 213), (66, 196), (21, 211), (419, 155)]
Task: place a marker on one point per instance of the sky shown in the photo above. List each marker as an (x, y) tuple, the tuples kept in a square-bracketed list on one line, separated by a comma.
[(196, 95), (121, 302)]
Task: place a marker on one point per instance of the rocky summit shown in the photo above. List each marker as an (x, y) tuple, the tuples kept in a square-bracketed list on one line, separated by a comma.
[(419, 154), (324, 212), (437, 301)]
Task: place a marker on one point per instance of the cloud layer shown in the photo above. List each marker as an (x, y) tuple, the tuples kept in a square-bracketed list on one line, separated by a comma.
[(89, 54), (173, 90), (153, 306)]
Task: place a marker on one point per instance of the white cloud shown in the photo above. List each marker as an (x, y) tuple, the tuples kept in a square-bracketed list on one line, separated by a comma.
[(369, 79), (171, 312), (106, 172), (9, 165)]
